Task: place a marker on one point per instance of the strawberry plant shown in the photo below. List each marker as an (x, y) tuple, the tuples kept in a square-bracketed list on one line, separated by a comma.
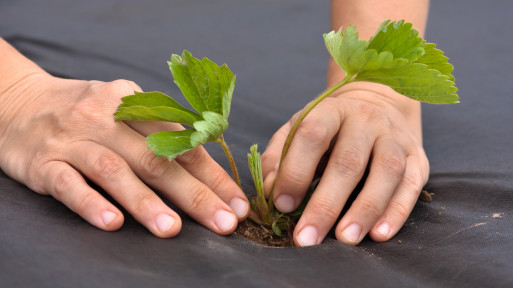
[(395, 56)]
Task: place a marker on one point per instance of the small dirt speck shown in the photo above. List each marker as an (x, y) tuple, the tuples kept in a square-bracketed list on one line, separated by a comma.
[(425, 196)]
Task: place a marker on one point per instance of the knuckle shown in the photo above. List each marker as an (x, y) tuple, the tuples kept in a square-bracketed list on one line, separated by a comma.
[(84, 202), (293, 177), (400, 209), (313, 132), (370, 207), (199, 197), (92, 112), (62, 182), (368, 110), (85, 109), (108, 165), (326, 208), (425, 166), (38, 167), (393, 163), (372, 113), (154, 167), (412, 182), (216, 181), (142, 203), (194, 158), (349, 163), (126, 84)]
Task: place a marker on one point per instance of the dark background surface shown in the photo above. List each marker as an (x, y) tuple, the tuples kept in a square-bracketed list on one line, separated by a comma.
[(463, 238)]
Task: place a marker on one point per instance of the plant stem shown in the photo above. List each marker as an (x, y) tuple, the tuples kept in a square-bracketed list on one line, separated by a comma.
[(307, 110), (221, 141), (348, 78)]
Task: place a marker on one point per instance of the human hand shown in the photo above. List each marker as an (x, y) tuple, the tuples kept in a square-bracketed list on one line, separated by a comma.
[(363, 125), (55, 132)]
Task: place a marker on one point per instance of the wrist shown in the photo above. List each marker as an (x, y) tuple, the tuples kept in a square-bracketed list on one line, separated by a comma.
[(14, 68), (20, 81)]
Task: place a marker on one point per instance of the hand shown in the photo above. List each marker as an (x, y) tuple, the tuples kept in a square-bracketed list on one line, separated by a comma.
[(365, 125), (55, 132)]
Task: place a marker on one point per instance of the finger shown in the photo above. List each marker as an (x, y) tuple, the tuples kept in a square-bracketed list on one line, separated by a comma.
[(404, 199), (311, 141), (67, 186), (386, 172), (344, 170), (173, 181), (199, 164), (112, 173), (271, 157)]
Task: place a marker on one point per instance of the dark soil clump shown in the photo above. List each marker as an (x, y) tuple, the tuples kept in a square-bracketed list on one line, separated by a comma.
[(425, 196), (262, 235)]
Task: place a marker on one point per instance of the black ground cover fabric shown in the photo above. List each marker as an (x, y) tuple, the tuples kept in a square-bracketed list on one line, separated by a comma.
[(463, 238)]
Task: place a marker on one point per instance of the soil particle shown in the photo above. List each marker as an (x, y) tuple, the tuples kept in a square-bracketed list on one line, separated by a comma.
[(262, 235), (425, 196)]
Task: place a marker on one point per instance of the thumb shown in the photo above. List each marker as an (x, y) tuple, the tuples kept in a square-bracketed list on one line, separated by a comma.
[(271, 157)]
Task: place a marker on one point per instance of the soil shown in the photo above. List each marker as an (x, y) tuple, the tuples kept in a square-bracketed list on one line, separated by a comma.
[(265, 236), (425, 196), (262, 235)]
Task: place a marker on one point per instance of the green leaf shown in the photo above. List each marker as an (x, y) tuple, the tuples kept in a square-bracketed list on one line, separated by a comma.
[(173, 143), (205, 85), (209, 129), (345, 48), (170, 143), (399, 39), (416, 81), (435, 59), (150, 99), (276, 229), (154, 106), (394, 45), (397, 57), (255, 167), (253, 205)]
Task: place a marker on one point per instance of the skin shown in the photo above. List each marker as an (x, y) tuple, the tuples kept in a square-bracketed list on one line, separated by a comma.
[(361, 126), (55, 133), (47, 123)]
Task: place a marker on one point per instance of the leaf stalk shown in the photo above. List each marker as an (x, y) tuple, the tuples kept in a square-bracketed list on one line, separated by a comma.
[(347, 79), (226, 150)]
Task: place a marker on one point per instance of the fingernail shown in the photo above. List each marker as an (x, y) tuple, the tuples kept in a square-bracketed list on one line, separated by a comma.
[(272, 172), (270, 175), (239, 206), (107, 217), (225, 220), (384, 229), (352, 233), (285, 203), (164, 222), (308, 236)]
